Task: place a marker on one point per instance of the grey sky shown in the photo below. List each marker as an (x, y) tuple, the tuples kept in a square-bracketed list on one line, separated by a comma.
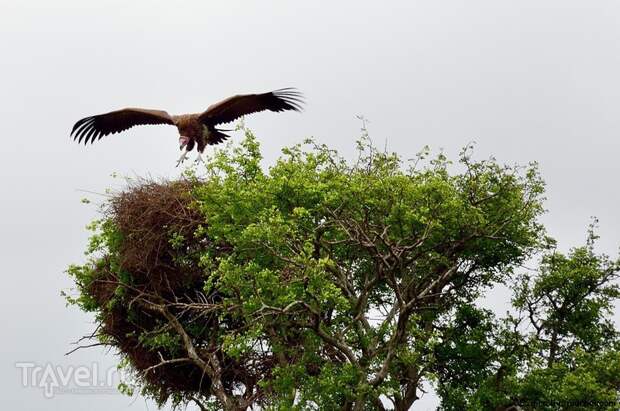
[(528, 81)]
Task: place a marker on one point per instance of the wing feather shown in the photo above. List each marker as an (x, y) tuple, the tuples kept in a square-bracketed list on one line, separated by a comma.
[(94, 127), (234, 107)]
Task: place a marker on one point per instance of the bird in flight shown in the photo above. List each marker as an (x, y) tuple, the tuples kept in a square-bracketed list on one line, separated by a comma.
[(195, 130)]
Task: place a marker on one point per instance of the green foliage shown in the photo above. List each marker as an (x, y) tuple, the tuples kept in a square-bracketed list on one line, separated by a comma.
[(560, 350), (328, 284)]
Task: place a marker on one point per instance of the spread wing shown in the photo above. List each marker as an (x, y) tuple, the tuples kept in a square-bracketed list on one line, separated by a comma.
[(234, 107), (94, 127)]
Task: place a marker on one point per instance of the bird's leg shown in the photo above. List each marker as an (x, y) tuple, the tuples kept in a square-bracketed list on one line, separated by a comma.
[(199, 158), (182, 158)]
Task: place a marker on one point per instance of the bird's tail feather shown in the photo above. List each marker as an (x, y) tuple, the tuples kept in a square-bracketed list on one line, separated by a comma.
[(217, 136)]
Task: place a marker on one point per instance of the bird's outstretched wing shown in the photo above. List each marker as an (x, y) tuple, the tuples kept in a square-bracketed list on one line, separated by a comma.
[(234, 107), (94, 127)]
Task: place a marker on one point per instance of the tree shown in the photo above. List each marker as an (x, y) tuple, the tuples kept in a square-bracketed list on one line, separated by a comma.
[(318, 283), (560, 350)]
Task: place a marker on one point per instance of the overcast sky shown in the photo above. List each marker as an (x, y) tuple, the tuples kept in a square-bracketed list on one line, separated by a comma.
[(527, 80)]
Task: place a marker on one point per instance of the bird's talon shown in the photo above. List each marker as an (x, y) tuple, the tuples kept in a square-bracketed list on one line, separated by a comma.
[(182, 158), (199, 159)]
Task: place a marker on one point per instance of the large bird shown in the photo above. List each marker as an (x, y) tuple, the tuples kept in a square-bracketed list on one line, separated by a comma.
[(195, 130)]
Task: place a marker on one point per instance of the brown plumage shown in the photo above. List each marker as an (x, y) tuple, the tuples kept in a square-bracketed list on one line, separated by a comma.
[(197, 129)]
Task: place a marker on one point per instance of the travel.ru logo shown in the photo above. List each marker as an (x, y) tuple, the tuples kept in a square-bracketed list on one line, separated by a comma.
[(56, 379)]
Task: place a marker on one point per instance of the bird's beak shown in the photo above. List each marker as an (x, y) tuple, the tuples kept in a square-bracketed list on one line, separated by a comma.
[(183, 141)]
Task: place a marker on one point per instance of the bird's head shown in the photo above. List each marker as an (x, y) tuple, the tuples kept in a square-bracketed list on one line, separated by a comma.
[(183, 141)]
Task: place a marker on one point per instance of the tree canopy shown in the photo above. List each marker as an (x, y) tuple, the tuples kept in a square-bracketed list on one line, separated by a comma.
[(322, 283)]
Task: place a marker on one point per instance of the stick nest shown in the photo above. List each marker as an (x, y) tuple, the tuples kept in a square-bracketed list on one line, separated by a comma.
[(153, 269)]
